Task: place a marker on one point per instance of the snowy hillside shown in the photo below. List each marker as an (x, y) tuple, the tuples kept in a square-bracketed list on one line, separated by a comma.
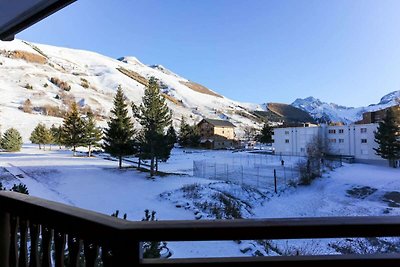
[(51, 77), (325, 112)]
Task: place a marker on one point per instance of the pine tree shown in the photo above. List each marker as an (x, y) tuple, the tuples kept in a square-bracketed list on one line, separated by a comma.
[(169, 141), (11, 141), (265, 135), (20, 188), (387, 137), (154, 116), (189, 135), (93, 134), (183, 137), (118, 137), (57, 134), (73, 129), (48, 138), (36, 135), (194, 136)]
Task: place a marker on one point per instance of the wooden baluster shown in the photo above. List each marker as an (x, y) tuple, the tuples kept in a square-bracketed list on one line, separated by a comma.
[(4, 238), (59, 243), (46, 246), (13, 241), (34, 254), (91, 252), (23, 250), (74, 246)]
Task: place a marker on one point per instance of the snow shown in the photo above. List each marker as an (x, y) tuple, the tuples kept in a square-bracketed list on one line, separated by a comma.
[(96, 184), (72, 65), (337, 113)]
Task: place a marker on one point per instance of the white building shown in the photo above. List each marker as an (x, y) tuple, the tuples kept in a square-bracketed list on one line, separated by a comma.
[(350, 140)]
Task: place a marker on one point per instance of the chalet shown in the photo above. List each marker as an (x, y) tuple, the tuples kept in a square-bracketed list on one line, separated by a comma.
[(216, 134)]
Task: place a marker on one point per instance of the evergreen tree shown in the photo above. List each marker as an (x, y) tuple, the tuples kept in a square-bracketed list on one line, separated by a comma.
[(189, 135), (46, 137), (387, 137), (20, 188), (73, 129), (118, 137), (57, 134), (265, 135), (93, 134), (11, 141), (183, 138), (194, 136), (154, 116), (169, 141), (37, 135)]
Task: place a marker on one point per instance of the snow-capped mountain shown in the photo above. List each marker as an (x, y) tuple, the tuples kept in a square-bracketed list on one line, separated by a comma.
[(324, 112), (51, 77)]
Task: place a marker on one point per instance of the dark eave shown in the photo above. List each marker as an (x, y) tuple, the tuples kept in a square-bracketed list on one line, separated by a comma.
[(17, 15)]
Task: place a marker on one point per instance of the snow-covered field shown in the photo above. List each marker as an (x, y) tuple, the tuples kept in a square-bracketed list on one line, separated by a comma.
[(97, 184)]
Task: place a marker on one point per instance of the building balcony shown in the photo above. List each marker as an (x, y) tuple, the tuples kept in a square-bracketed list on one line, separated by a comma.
[(52, 227)]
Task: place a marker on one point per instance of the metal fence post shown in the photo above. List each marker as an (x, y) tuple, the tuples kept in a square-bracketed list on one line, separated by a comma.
[(4, 238)]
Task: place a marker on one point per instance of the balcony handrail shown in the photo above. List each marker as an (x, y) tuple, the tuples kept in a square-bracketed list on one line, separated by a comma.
[(106, 230)]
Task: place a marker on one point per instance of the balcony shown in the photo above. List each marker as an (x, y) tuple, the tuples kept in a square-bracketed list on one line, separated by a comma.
[(53, 226)]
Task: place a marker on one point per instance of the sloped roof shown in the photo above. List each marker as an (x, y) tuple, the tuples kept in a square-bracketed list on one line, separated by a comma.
[(220, 123)]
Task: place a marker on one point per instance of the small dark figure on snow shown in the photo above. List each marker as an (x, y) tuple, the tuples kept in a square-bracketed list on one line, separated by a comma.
[(282, 162)]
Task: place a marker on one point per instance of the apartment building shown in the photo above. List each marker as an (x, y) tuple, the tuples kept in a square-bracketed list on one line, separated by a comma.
[(355, 140)]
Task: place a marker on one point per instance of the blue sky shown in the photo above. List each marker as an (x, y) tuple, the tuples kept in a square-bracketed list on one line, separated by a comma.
[(341, 51)]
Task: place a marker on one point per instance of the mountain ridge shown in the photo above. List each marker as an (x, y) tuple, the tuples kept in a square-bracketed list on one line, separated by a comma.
[(330, 112)]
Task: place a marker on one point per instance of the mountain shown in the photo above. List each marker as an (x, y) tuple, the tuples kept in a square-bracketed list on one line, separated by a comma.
[(324, 112), (51, 77), (278, 112)]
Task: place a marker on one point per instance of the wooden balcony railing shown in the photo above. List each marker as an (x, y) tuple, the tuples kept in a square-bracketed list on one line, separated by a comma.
[(53, 226)]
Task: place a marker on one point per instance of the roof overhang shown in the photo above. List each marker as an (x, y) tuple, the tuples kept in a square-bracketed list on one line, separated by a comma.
[(17, 15)]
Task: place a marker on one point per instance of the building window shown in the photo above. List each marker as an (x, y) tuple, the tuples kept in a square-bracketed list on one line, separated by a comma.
[(332, 131), (287, 141), (302, 149), (333, 140), (364, 152), (286, 132), (363, 130), (341, 140), (341, 131), (363, 141)]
